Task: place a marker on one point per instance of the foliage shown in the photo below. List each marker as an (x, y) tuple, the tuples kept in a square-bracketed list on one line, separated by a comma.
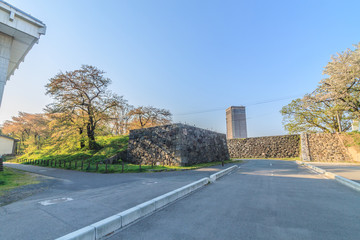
[(120, 121), (334, 103), (149, 117), (308, 115), (83, 115), (342, 86), (30, 129), (84, 99)]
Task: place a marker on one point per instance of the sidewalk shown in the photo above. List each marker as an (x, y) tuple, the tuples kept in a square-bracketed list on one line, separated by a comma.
[(347, 170)]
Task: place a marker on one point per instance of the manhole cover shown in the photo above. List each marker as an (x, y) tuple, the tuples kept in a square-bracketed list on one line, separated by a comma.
[(55, 201)]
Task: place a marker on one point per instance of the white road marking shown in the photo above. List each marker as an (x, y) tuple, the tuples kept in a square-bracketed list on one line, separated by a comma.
[(55, 201), (149, 182)]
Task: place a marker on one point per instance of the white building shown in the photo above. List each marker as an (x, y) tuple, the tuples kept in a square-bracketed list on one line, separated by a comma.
[(8, 145), (19, 32)]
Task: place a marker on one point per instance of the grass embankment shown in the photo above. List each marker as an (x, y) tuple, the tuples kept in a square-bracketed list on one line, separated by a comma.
[(283, 159), (11, 178), (351, 139), (70, 157), (67, 151)]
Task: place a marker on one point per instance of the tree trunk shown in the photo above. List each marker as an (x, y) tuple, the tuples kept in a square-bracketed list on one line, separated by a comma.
[(91, 137), (36, 141), (82, 141), (339, 121)]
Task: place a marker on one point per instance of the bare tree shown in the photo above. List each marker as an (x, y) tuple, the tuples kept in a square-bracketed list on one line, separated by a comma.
[(83, 93), (121, 117), (143, 117)]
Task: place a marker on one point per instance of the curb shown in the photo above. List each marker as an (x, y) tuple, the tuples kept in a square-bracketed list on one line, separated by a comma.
[(108, 226), (221, 173), (347, 182)]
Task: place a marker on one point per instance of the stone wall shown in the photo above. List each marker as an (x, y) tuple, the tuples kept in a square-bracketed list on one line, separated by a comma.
[(287, 146), (176, 144), (324, 147)]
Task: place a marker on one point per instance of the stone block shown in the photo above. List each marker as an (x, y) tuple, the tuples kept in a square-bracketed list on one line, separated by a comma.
[(176, 144), (265, 147)]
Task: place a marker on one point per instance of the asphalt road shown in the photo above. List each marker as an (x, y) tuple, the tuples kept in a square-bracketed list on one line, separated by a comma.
[(262, 200), (346, 170), (94, 197)]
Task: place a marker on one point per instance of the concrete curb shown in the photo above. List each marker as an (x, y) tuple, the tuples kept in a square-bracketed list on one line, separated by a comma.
[(347, 182), (221, 173), (108, 226)]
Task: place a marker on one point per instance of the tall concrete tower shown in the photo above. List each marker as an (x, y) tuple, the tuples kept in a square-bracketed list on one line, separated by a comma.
[(236, 122), (19, 32)]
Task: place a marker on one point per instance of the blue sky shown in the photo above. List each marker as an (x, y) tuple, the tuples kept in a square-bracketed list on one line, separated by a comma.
[(195, 58)]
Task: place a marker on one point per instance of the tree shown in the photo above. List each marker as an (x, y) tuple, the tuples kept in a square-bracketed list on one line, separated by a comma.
[(66, 126), (335, 102), (143, 117), (309, 115), (83, 94), (120, 122), (28, 128), (342, 86)]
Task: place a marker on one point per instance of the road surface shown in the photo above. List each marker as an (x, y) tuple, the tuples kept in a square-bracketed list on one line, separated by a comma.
[(264, 199), (346, 170), (76, 199)]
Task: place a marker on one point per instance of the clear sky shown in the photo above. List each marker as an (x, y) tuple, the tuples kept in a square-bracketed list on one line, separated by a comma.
[(193, 57)]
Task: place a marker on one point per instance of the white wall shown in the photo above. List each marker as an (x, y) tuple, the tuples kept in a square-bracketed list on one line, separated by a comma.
[(6, 145)]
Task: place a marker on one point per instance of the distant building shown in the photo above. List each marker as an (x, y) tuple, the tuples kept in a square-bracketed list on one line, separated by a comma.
[(236, 122), (8, 145)]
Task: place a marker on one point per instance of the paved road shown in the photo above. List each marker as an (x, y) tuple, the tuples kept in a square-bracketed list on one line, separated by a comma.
[(263, 200), (95, 197), (347, 170)]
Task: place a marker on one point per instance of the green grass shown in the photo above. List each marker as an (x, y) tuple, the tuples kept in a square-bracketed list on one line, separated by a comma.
[(355, 135), (11, 178), (283, 159), (128, 168), (109, 146)]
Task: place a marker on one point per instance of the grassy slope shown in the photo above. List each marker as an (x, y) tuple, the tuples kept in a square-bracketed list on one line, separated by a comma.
[(110, 146), (284, 159), (11, 178), (351, 139)]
